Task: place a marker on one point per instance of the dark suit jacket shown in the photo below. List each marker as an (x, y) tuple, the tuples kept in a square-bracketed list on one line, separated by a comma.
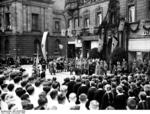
[(70, 87), (98, 95)]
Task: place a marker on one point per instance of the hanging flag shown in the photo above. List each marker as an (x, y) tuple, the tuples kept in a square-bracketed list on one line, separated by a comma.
[(37, 56), (43, 45), (121, 26), (63, 32), (100, 44), (114, 43)]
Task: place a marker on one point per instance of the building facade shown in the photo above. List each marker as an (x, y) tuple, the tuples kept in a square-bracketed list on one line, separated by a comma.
[(22, 23), (85, 16), (139, 27)]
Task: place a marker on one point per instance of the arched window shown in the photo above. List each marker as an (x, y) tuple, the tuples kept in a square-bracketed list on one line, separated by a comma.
[(6, 46), (36, 46)]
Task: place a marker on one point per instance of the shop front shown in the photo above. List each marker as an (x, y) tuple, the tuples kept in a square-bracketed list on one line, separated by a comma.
[(139, 41), (89, 42), (139, 49)]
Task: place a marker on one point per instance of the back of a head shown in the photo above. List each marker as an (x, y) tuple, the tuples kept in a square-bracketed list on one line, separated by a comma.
[(53, 94), (119, 89), (93, 83), (100, 85), (63, 89), (25, 97), (61, 98), (23, 83), (131, 103), (55, 85), (37, 83), (94, 105), (54, 78), (107, 87), (19, 92), (3, 96), (30, 90), (142, 96), (17, 79), (3, 86), (42, 101), (10, 87), (46, 89), (72, 97), (83, 98)]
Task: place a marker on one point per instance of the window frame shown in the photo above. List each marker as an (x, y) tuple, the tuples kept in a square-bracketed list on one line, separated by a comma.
[(57, 23), (35, 22)]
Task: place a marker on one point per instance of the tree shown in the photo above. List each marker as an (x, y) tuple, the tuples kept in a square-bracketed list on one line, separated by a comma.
[(118, 55)]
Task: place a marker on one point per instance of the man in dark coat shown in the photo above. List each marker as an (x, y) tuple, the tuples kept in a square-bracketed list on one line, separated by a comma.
[(82, 89), (71, 84), (99, 93), (91, 93), (120, 99), (108, 98)]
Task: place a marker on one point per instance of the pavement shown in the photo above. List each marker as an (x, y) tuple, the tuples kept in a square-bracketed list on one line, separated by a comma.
[(60, 76)]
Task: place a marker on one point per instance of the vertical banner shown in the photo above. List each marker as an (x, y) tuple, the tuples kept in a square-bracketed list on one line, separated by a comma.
[(114, 43), (43, 45), (37, 56)]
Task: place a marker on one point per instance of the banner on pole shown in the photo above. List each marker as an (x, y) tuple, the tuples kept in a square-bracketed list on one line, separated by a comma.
[(43, 45), (114, 43)]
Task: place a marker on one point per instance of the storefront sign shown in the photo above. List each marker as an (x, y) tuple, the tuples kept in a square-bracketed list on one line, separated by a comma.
[(139, 45)]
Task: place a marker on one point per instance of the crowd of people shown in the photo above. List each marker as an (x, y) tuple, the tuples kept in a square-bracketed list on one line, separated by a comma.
[(91, 87)]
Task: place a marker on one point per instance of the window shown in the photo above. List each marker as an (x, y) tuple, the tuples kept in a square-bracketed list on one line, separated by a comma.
[(76, 22), (99, 19), (87, 23), (69, 23), (57, 26), (35, 22), (131, 13), (7, 21)]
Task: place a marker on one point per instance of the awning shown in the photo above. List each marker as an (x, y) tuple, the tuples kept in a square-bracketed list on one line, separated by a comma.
[(142, 45)]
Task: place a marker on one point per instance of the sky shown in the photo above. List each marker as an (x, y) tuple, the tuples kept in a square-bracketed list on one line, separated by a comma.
[(60, 4)]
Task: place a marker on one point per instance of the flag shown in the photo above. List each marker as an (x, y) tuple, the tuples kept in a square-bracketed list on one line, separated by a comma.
[(100, 44), (37, 60), (63, 32), (43, 45), (121, 26), (114, 43), (37, 56)]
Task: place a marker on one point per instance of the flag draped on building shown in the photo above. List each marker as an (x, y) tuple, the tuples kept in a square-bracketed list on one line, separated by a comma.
[(114, 43), (43, 45)]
